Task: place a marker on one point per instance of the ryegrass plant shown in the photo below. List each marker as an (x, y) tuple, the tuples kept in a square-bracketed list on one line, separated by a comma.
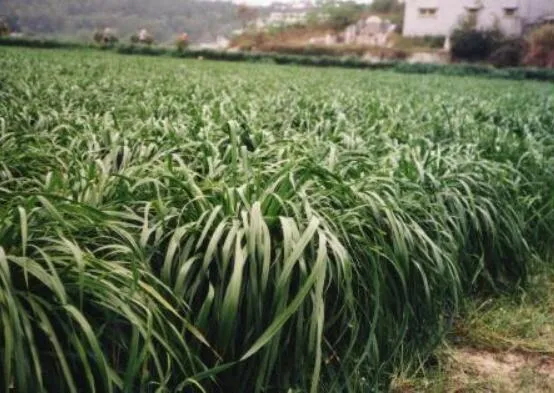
[(171, 225)]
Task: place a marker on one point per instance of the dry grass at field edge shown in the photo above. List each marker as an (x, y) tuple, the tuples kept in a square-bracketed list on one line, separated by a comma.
[(504, 345)]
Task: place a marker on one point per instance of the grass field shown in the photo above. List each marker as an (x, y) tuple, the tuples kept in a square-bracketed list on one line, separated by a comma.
[(178, 225)]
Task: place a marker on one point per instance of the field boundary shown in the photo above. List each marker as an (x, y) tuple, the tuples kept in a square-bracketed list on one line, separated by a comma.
[(462, 69)]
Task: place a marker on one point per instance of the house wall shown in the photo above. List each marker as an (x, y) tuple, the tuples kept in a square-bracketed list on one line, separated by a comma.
[(492, 12)]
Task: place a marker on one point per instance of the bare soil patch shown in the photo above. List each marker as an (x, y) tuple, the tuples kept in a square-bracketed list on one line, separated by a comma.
[(501, 371)]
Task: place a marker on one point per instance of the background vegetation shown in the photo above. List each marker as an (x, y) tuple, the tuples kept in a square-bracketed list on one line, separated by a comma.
[(536, 48), (304, 56), (165, 19)]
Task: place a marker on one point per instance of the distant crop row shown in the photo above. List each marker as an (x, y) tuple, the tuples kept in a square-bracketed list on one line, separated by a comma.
[(462, 69), (173, 225)]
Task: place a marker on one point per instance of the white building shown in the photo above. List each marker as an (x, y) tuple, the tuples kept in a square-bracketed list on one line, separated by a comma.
[(221, 42), (287, 18), (282, 14), (440, 17)]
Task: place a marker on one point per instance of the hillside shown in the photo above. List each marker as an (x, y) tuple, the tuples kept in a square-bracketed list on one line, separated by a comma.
[(203, 21)]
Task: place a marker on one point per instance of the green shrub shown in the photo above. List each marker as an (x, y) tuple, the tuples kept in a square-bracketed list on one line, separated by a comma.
[(98, 36), (474, 45), (105, 37), (509, 54), (182, 42), (148, 40), (428, 41)]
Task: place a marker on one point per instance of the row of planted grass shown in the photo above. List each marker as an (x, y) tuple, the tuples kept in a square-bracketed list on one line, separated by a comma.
[(294, 56), (162, 229)]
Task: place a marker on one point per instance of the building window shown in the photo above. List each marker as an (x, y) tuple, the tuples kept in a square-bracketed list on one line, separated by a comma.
[(510, 11), (473, 10), (427, 12)]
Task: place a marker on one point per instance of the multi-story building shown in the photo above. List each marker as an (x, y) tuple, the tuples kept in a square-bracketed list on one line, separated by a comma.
[(440, 17)]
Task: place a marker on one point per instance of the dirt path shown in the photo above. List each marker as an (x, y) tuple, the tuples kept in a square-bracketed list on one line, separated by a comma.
[(503, 345), (479, 370), (468, 370)]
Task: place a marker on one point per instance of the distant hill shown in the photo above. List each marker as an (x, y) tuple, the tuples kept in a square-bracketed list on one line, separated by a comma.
[(202, 20)]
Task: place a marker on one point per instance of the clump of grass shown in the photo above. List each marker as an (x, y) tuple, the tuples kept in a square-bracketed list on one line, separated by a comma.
[(522, 323)]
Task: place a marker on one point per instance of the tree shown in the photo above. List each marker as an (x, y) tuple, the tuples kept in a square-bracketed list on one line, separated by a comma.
[(110, 37), (105, 37), (149, 40), (165, 18), (393, 9), (386, 6), (340, 15), (472, 44), (510, 54)]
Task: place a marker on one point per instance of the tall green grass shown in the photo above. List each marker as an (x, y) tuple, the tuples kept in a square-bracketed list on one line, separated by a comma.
[(184, 226)]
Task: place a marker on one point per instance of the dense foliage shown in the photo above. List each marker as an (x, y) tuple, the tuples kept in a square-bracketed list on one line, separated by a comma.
[(510, 53), (165, 19), (474, 45), (541, 51), (171, 225), (339, 14), (386, 6), (492, 46)]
